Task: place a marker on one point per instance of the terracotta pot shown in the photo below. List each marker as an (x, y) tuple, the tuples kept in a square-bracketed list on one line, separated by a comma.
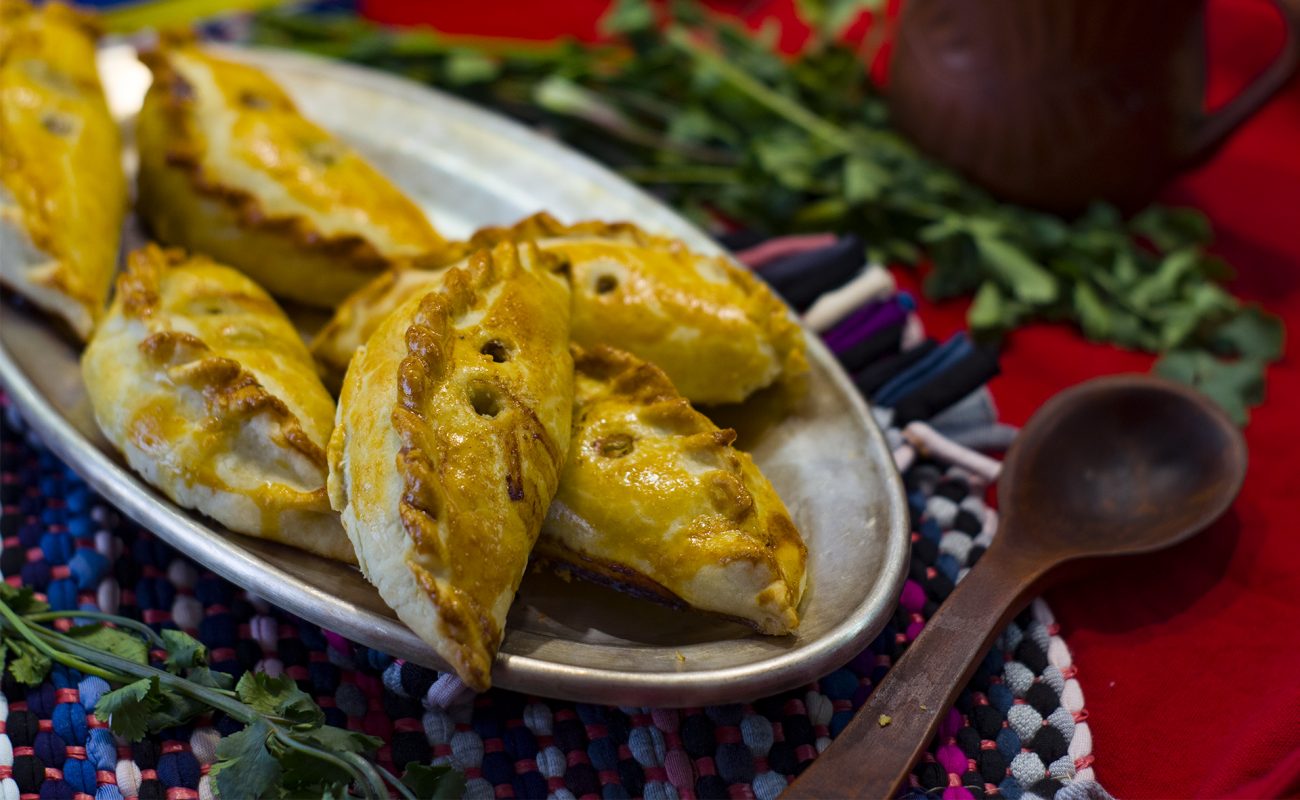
[(1056, 103)]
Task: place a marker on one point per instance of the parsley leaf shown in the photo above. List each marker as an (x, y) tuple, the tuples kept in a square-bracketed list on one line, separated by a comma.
[(22, 599), (1233, 384), (209, 678), (28, 665), (127, 710), (183, 650), (1251, 333), (245, 768), (342, 740), (279, 697), (433, 783), (112, 640), (303, 773)]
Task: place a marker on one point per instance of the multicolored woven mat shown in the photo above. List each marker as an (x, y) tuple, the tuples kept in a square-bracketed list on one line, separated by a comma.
[(1017, 731)]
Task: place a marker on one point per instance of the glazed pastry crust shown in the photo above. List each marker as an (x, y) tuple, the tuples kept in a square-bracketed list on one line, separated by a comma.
[(356, 318), (655, 500), (62, 190), (452, 428), (718, 332), (200, 380), (229, 167)]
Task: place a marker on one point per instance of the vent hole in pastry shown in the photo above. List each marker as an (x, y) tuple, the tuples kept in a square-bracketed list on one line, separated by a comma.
[(485, 400), (616, 446), (253, 100), (326, 153), (497, 351), (57, 124), (606, 284)]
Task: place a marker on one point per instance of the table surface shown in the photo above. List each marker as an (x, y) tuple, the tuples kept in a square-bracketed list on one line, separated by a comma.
[(1187, 658)]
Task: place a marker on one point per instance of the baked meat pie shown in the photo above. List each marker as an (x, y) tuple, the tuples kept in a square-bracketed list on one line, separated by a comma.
[(229, 167), (199, 379), (452, 428), (656, 501)]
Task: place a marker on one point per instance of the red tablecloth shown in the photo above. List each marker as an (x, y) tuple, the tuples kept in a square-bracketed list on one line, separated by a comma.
[(1188, 659)]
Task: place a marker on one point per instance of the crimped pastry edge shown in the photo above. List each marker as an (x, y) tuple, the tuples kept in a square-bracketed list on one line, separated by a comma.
[(233, 392), (421, 372)]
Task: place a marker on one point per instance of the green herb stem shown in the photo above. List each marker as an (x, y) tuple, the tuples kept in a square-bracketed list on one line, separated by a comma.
[(774, 101), (287, 739), (120, 621), (396, 782), (31, 635), (216, 698), (371, 772)]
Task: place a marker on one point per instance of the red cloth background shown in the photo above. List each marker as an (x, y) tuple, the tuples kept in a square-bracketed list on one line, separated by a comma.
[(1190, 659)]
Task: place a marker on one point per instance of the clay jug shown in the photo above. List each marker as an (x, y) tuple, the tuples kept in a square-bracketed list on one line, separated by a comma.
[(1055, 103)]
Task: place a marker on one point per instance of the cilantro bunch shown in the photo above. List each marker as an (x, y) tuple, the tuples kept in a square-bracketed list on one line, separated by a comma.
[(285, 748), (713, 119)]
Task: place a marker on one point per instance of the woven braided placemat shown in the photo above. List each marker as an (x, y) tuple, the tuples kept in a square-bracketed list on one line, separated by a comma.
[(1016, 731)]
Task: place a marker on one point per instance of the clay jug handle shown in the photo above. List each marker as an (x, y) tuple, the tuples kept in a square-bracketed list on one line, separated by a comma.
[(1212, 129)]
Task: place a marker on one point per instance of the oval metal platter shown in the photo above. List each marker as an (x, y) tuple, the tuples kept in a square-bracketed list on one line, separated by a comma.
[(468, 167)]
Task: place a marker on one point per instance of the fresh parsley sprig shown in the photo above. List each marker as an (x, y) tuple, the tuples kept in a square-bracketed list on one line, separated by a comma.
[(710, 116), (285, 748)]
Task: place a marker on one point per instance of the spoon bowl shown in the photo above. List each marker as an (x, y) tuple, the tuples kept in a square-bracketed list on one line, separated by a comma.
[(1115, 466)]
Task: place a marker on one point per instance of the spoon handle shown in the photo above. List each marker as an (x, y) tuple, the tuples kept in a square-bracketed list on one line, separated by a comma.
[(872, 756)]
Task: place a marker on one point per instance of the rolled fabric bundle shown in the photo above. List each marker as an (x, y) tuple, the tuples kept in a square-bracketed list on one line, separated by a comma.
[(975, 410), (864, 322), (949, 353), (947, 386), (753, 250), (872, 348), (873, 283), (873, 377), (802, 278), (990, 438)]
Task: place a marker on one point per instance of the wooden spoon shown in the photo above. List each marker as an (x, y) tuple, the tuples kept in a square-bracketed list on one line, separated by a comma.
[(1115, 466)]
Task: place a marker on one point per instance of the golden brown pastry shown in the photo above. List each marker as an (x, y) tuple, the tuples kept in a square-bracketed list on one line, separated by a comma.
[(199, 379), (655, 500), (228, 167), (718, 331), (62, 192), (452, 428), (358, 317)]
